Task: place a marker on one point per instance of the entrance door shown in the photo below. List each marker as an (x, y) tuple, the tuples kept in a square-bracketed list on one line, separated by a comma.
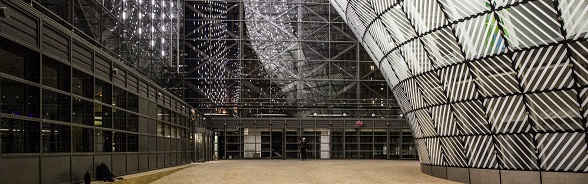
[(277, 144)]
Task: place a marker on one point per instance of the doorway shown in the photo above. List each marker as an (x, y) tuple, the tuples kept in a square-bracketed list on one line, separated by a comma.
[(277, 146)]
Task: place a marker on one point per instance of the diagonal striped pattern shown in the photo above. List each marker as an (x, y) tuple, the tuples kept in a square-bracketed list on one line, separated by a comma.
[(416, 56), (425, 15), (442, 47), (507, 114), (458, 83), (481, 152), (584, 96), (402, 98), (381, 37), (432, 90), (354, 22), (579, 52), (555, 111), (574, 13), (454, 151), (399, 65), (480, 37), (414, 124), (470, 115), (375, 51), (445, 122), (389, 74), (426, 123), (501, 3), (414, 94), (423, 152), (364, 11), (397, 24), (530, 24), (495, 76), (544, 68), (517, 152), (459, 9), (435, 153), (563, 151)]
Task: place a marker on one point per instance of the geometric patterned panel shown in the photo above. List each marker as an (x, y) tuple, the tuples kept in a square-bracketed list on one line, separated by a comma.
[(488, 83), (563, 151), (579, 52), (442, 47), (520, 24), (459, 9), (517, 152), (574, 14), (544, 68), (584, 102), (480, 151), (495, 76), (424, 15), (555, 111), (415, 126), (480, 37), (414, 93), (415, 55), (432, 90), (454, 151), (423, 152), (398, 25), (458, 83), (444, 120), (507, 114), (471, 118), (401, 96), (435, 152), (426, 123)]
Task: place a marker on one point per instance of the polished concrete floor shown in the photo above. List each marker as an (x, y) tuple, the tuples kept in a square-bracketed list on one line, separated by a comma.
[(311, 171)]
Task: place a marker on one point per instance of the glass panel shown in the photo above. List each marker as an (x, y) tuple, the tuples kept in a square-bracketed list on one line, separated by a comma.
[(557, 155), (56, 106), (103, 141), (19, 136), (19, 99), (82, 112), (56, 74), (83, 139), (82, 84), (555, 111), (56, 138)]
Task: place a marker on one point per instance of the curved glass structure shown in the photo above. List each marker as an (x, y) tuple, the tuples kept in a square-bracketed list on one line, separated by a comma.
[(490, 84)]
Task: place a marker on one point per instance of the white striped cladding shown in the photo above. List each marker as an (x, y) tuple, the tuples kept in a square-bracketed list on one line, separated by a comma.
[(500, 84)]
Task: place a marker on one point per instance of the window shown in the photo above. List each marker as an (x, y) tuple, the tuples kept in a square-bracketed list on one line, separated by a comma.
[(56, 74), (83, 139), (56, 106), (103, 92), (19, 136), (18, 61), (103, 141), (82, 112), (120, 142), (82, 84), (119, 119), (56, 138), (19, 99), (103, 116), (119, 97)]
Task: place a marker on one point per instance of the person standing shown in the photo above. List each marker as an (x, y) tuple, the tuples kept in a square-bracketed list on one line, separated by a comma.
[(302, 148)]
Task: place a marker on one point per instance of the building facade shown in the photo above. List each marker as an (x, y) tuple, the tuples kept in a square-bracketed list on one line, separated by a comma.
[(485, 85), (71, 102)]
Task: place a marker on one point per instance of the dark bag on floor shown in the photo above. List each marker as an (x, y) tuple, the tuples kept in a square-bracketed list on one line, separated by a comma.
[(103, 173)]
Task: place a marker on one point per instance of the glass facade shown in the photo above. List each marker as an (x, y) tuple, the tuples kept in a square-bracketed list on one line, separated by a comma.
[(144, 34), (279, 58), (279, 138), (68, 99), (484, 84)]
